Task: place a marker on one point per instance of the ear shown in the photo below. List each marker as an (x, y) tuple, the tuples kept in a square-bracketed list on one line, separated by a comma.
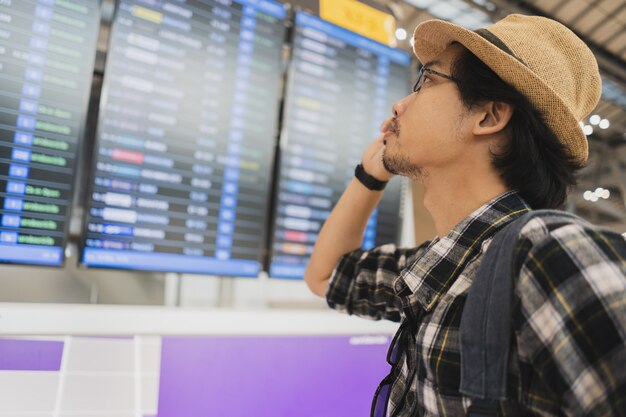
[(493, 118)]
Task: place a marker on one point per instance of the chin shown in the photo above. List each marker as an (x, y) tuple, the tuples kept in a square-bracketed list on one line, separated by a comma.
[(389, 165)]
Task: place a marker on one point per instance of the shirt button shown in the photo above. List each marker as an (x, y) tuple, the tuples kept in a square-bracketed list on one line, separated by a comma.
[(428, 297), (410, 398)]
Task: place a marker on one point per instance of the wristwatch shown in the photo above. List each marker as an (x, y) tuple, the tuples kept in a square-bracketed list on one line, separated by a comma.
[(367, 180)]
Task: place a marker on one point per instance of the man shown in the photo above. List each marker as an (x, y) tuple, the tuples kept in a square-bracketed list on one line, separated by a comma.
[(491, 131)]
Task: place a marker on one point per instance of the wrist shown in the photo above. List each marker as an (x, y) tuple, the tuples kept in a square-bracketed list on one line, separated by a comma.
[(369, 181)]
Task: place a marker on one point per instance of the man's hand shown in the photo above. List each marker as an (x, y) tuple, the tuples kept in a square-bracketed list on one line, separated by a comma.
[(372, 158)]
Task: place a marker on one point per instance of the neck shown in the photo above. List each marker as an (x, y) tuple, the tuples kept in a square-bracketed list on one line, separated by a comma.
[(452, 196)]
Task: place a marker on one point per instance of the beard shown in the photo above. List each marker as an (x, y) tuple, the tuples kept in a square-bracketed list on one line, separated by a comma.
[(400, 165)]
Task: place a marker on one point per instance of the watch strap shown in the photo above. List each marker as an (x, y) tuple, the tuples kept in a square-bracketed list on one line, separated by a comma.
[(367, 180)]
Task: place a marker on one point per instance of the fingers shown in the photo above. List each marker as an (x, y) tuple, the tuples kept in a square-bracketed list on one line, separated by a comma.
[(386, 125), (372, 159)]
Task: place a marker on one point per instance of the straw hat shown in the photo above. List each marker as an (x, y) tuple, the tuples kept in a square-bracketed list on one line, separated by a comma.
[(540, 57)]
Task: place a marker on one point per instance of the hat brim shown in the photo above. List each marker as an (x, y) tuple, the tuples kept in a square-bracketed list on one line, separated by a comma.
[(432, 37)]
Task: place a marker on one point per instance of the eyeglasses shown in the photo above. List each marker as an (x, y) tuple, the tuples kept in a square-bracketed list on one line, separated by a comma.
[(420, 78)]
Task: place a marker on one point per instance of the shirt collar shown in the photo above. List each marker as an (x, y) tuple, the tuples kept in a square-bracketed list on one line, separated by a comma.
[(444, 260)]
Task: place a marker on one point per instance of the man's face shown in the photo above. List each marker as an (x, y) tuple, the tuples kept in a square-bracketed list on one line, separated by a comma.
[(433, 129)]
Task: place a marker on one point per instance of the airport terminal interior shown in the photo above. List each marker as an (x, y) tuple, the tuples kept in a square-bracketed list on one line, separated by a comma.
[(165, 168)]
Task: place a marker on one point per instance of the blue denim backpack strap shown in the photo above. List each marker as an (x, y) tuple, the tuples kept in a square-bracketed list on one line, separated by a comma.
[(485, 330)]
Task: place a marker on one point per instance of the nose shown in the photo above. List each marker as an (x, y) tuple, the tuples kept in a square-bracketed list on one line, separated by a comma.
[(399, 107)]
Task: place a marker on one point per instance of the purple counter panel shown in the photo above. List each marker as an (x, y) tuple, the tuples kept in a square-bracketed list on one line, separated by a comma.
[(305, 376), (30, 355)]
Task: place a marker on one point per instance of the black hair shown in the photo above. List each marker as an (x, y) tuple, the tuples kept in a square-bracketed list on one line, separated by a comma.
[(532, 161)]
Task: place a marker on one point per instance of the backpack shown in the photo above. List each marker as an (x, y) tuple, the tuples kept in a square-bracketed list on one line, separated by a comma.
[(486, 320)]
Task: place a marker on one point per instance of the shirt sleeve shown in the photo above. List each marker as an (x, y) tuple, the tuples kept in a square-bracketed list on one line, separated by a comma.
[(362, 282), (572, 324)]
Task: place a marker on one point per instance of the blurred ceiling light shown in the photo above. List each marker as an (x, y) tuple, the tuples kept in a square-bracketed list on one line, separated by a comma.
[(594, 196), (594, 120), (400, 34), (604, 124)]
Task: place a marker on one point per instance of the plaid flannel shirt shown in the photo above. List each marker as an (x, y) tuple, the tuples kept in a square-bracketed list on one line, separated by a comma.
[(568, 354)]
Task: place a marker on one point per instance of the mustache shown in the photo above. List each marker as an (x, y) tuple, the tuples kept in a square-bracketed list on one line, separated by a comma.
[(395, 124)]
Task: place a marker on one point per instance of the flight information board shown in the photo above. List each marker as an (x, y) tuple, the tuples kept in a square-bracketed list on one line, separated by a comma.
[(341, 88), (186, 137), (47, 53)]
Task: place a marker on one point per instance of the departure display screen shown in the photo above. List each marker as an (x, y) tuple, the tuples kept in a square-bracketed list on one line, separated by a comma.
[(47, 53), (341, 87), (186, 137)]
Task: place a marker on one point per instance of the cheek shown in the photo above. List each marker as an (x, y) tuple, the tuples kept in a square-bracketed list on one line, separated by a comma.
[(428, 126), (431, 129), (430, 112)]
